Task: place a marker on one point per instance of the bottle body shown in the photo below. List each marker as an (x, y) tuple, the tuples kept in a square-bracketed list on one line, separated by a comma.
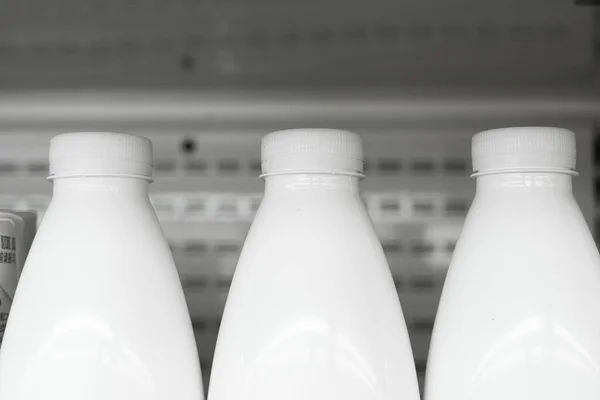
[(312, 311), (99, 312), (518, 317)]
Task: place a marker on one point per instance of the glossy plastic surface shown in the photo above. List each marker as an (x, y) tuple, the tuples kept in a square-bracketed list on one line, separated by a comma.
[(519, 316), (312, 312), (99, 312)]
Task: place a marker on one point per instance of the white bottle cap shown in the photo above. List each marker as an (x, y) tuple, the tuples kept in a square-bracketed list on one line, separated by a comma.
[(100, 154), (524, 148), (312, 150)]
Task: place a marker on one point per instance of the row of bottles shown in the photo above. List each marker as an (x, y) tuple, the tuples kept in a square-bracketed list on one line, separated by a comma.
[(312, 312)]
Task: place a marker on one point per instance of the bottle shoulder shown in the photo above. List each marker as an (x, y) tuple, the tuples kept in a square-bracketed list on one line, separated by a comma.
[(101, 259), (545, 260), (312, 246), (347, 220)]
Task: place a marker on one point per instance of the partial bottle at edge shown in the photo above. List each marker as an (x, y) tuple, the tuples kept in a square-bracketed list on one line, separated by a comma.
[(99, 312), (519, 316), (12, 227), (312, 312)]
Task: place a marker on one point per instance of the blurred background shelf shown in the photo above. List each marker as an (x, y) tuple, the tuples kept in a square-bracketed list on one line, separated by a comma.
[(68, 43), (190, 106)]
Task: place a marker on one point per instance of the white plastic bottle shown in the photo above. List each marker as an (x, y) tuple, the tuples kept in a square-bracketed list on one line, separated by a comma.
[(312, 312), (519, 316), (99, 312)]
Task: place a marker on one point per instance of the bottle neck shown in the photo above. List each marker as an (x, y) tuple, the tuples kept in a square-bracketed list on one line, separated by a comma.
[(99, 186), (311, 183), (525, 182)]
